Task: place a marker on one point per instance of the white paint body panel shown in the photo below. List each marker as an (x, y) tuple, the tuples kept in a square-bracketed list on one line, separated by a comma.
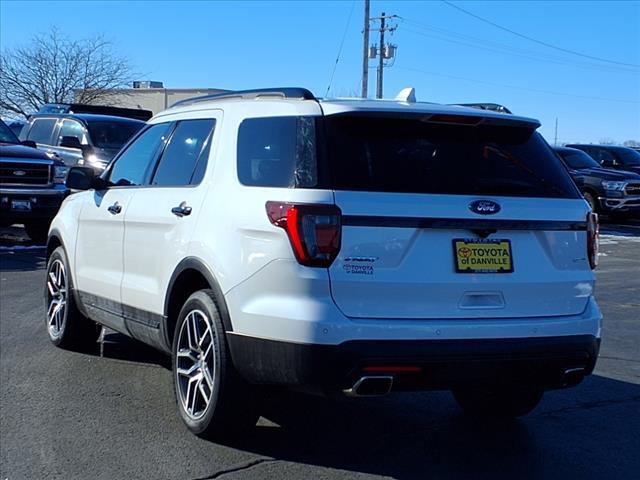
[(269, 295)]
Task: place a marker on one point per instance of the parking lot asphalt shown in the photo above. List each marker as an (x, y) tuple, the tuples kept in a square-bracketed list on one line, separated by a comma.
[(112, 415)]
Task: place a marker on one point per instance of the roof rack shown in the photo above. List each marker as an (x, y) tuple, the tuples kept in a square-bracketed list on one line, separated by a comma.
[(135, 113), (494, 107), (286, 92)]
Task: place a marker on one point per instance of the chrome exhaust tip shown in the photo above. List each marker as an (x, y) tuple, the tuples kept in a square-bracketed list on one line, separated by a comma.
[(572, 376), (370, 386)]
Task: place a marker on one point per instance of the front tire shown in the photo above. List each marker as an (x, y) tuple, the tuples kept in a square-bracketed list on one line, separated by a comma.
[(213, 400), (66, 326), (498, 403)]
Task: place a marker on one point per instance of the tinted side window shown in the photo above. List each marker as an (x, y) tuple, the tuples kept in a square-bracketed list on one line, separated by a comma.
[(131, 166), (71, 128), (278, 152), (42, 130), (188, 147)]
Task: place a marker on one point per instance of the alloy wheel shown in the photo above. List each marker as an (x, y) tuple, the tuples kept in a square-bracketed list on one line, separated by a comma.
[(56, 298), (195, 364)]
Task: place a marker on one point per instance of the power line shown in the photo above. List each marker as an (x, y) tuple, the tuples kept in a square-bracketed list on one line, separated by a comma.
[(540, 42), (478, 43), (344, 35), (547, 92)]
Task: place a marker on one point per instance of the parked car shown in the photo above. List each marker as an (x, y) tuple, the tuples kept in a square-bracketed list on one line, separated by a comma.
[(81, 138), (610, 156), (349, 247), (31, 185), (606, 190)]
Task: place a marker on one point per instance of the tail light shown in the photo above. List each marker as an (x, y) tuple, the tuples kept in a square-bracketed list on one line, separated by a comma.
[(313, 230), (593, 230)]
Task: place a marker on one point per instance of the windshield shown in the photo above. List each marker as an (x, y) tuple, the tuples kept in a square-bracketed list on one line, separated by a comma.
[(375, 153), (579, 159), (629, 156), (6, 135), (112, 134)]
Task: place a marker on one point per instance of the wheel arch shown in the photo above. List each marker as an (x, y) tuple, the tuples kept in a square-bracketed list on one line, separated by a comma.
[(189, 276), (594, 193), (54, 241)]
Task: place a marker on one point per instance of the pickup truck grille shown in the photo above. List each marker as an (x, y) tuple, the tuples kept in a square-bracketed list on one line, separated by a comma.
[(632, 189), (24, 173)]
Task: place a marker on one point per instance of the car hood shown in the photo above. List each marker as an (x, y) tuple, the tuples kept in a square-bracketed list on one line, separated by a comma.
[(632, 168), (22, 151), (608, 174)]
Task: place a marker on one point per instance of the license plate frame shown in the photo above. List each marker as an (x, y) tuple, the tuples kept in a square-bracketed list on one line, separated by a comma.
[(21, 205), (463, 257)]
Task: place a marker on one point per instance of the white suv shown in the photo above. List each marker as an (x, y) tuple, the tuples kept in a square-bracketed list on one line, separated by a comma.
[(270, 238)]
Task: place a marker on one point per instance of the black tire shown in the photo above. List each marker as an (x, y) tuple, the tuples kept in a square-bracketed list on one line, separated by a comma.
[(66, 326), (232, 408), (498, 403), (37, 232), (592, 201)]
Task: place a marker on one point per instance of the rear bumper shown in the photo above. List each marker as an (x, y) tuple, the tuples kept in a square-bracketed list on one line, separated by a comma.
[(44, 203), (431, 364)]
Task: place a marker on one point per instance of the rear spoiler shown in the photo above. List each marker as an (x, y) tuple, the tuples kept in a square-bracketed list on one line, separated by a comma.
[(136, 113), (494, 107)]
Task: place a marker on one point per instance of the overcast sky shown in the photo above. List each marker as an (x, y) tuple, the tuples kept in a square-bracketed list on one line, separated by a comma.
[(446, 54)]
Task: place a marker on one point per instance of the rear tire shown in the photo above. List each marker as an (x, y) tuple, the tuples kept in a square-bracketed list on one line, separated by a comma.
[(38, 231), (66, 326), (213, 400), (498, 403)]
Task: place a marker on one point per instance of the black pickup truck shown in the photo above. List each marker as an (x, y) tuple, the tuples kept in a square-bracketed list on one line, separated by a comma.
[(32, 185), (612, 192)]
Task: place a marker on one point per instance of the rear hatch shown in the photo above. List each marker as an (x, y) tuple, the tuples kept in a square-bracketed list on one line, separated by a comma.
[(454, 217)]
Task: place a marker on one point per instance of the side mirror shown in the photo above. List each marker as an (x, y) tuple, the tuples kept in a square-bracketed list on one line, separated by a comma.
[(29, 143), (84, 178), (70, 142)]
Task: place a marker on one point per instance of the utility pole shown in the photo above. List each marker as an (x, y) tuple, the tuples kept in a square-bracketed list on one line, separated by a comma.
[(365, 52), (381, 57), (381, 52), (555, 143)]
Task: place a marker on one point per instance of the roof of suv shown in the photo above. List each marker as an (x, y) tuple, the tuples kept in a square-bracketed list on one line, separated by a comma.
[(87, 117), (595, 145), (293, 96)]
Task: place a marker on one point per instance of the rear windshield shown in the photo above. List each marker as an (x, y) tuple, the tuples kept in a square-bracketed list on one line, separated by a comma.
[(110, 134), (399, 154), (410, 155)]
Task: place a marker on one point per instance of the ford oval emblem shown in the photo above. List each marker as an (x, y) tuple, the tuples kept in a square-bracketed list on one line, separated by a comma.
[(484, 207), (19, 173)]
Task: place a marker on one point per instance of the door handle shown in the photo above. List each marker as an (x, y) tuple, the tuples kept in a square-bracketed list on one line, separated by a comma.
[(181, 210), (115, 209)]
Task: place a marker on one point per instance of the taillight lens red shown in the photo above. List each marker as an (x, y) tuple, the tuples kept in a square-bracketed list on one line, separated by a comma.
[(314, 230), (593, 230)]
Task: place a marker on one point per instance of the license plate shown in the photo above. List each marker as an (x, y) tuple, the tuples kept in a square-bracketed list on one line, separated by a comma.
[(23, 205), (482, 256)]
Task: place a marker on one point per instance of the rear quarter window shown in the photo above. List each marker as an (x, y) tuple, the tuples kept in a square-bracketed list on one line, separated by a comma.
[(278, 152)]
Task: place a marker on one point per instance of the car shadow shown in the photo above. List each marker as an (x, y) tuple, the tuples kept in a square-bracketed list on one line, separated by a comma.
[(419, 435)]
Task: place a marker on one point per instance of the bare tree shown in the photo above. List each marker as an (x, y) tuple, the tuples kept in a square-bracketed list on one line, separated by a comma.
[(52, 67), (631, 143)]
